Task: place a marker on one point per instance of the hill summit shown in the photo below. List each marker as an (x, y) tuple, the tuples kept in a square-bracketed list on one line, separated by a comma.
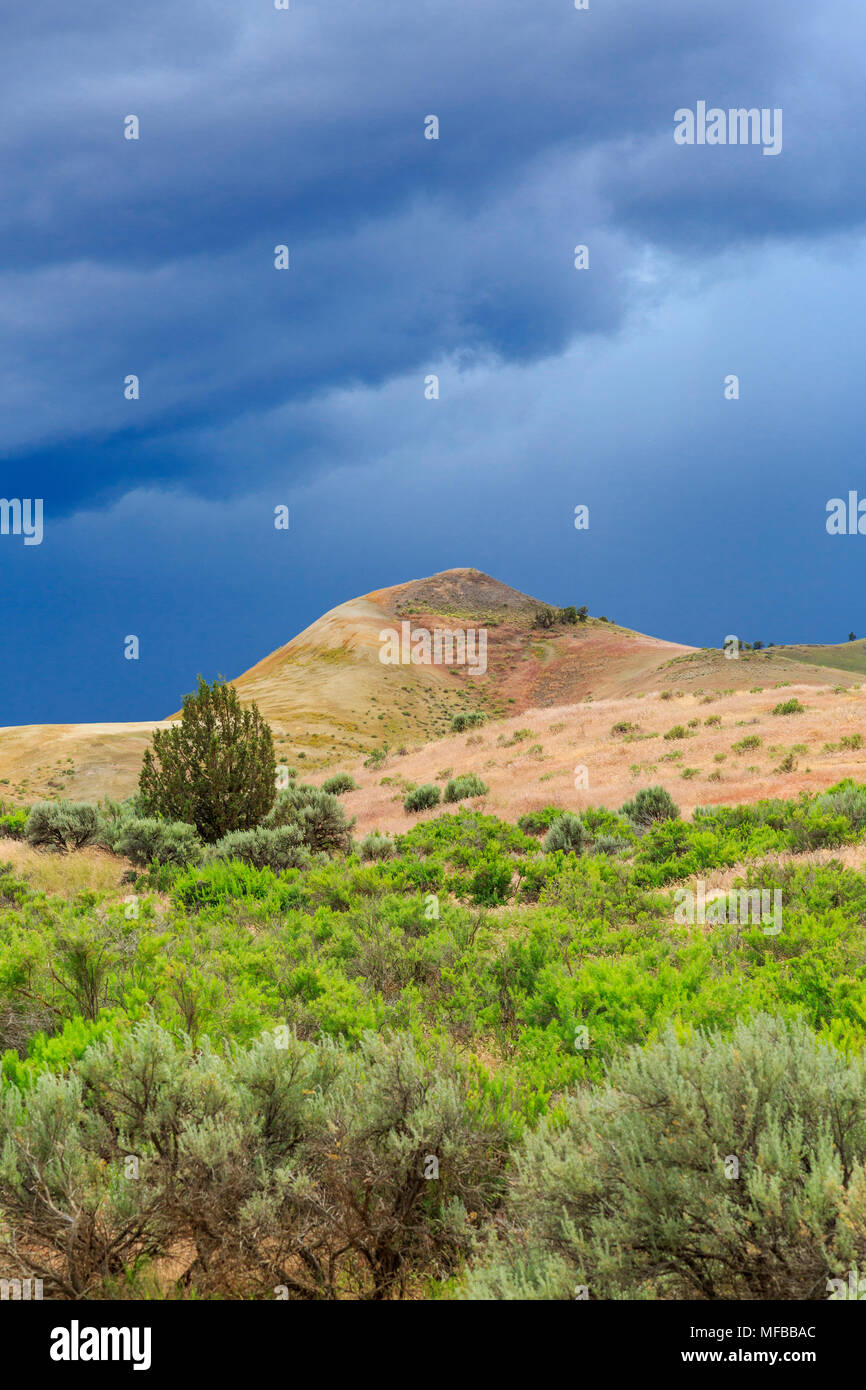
[(468, 593), (330, 691)]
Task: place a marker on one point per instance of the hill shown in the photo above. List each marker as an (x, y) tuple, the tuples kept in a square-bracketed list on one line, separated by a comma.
[(328, 694), (331, 699)]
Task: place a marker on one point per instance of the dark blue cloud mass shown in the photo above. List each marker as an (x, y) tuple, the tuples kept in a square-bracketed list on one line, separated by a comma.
[(409, 256)]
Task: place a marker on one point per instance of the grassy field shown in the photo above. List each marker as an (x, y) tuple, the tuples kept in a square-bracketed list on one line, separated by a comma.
[(847, 656), (472, 1060)]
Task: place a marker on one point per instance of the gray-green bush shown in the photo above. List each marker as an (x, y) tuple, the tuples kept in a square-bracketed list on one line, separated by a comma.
[(340, 782), (61, 825), (422, 798), (267, 847), (146, 840), (649, 805), (366, 1165), (567, 832), (848, 799), (467, 785), (318, 815), (710, 1168), (376, 847)]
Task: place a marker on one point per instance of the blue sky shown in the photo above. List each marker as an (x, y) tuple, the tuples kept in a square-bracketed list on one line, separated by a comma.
[(410, 256)]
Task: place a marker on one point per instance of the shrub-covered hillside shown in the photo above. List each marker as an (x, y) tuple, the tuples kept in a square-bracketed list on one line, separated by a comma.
[(475, 1060)]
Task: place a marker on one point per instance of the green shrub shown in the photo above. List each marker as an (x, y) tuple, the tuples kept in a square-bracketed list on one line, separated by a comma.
[(14, 823), (113, 817), (339, 783), (676, 732), (611, 845), (378, 757), (61, 825), (214, 769), (229, 882), (422, 798), (376, 847), (846, 799), (463, 837), (519, 736), (267, 847), (745, 745), (651, 804), (567, 833), (469, 784), (491, 883), (13, 891), (792, 706), (470, 720), (145, 840), (538, 822)]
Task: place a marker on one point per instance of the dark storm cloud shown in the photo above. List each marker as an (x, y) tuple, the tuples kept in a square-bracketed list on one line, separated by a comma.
[(259, 127)]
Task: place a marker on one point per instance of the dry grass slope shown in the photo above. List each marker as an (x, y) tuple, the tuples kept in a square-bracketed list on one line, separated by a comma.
[(530, 760), (330, 700)]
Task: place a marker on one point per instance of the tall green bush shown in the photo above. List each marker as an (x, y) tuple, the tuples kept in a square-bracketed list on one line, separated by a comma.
[(214, 768)]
